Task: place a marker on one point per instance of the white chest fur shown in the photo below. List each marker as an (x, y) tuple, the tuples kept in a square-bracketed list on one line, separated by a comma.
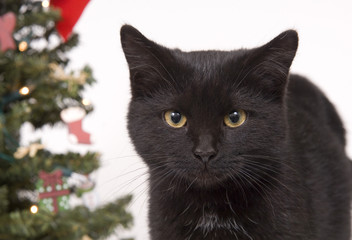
[(210, 222)]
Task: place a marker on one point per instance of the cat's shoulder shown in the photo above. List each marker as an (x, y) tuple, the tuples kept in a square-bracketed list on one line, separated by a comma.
[(306, 102), (300, 86), (303, 95)]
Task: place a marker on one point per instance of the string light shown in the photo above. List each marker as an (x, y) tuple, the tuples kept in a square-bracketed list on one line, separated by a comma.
[(45, 3), (22, 46), (86, 102), (34, 209), (24, 91)]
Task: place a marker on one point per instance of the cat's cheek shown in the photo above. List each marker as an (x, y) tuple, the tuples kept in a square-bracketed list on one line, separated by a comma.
[(235, 141)]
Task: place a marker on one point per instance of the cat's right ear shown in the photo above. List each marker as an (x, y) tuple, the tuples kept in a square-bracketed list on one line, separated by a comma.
[(147, 62)]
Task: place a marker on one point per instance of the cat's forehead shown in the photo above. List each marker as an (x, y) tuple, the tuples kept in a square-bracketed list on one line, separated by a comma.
[(207, 82), (203, 101), (208, 74), (211, 69), (209, 61)]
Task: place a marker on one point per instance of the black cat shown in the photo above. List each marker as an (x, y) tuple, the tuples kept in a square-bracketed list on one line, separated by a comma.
[(236, 147)]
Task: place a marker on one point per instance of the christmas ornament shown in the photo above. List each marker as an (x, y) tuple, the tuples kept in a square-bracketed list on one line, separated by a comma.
[(73, 117), (77, 180), (70, 13), (7, 25), (58, 73), (53, 191), (31, 150), (81, 183)]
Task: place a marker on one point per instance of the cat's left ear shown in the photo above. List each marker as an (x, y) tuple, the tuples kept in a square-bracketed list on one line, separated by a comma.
[(269, 65)]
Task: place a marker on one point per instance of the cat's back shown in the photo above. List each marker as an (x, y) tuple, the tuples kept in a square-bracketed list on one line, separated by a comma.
[(317, 138), (309, 110)]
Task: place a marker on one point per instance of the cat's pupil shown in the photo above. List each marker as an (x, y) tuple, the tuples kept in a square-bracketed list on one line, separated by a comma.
[(176, 117), (234, 116)]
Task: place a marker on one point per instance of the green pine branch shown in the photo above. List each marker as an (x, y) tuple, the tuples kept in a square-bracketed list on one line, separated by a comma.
[(68, 225)]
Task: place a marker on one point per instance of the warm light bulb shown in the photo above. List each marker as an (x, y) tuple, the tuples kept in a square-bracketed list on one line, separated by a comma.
[(45, 3), (24, 91), (34, 209), (86, 102), (22, 46)]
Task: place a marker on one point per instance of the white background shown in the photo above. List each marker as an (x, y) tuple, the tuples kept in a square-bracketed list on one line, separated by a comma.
[(324, 56)]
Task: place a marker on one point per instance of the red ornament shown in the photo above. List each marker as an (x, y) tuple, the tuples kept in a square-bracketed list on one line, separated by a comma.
[(73, 117), (7, 25), (71, 10), (52, 180)]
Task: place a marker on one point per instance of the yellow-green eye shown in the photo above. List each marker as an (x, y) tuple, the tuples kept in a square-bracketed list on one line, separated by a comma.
[(175, 119), (235, 118)]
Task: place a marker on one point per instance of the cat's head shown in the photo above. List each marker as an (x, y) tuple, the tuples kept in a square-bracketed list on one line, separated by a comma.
[(208, 117)]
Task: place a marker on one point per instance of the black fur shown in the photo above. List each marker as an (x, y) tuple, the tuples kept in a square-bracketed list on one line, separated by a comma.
[(283, 174)]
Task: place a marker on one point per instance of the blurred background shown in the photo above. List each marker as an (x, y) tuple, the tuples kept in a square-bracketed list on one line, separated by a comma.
[(324, 56)]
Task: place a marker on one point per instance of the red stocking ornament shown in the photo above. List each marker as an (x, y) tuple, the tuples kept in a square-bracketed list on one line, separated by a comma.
[(73, 117)]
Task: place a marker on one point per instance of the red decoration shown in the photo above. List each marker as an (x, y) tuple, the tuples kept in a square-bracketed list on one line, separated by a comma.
[(73, 117), (71, 10), (51, 180), (7, 25), (75, 128)]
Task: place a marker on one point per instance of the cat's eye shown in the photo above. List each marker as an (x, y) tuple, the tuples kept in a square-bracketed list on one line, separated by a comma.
[(175, 119), (235, 118)]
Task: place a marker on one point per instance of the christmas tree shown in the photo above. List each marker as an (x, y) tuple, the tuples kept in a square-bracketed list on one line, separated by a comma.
[(34, 87)]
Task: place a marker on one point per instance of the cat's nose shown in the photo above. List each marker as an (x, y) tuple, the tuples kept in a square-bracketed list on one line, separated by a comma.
[(205, 156), (205, 149)]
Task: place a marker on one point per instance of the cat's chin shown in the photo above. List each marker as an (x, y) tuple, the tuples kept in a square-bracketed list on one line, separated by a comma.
[(206, 179), (207, 183)]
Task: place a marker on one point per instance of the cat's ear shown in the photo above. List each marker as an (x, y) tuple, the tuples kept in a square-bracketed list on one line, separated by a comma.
[(269, 65), (147, 62)]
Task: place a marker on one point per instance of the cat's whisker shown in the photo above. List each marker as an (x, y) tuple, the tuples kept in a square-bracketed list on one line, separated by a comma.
[(233, 178), (159, 179), (264, 166), (123, 186), (229, 202), (267, 186), (180, 178), (265, 170), (271, 159), (106, 162), (257, 185), (256, 169), (114, 178), (138, 195), (146, 168), (194, 180), (148, 188), (171, 185)]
